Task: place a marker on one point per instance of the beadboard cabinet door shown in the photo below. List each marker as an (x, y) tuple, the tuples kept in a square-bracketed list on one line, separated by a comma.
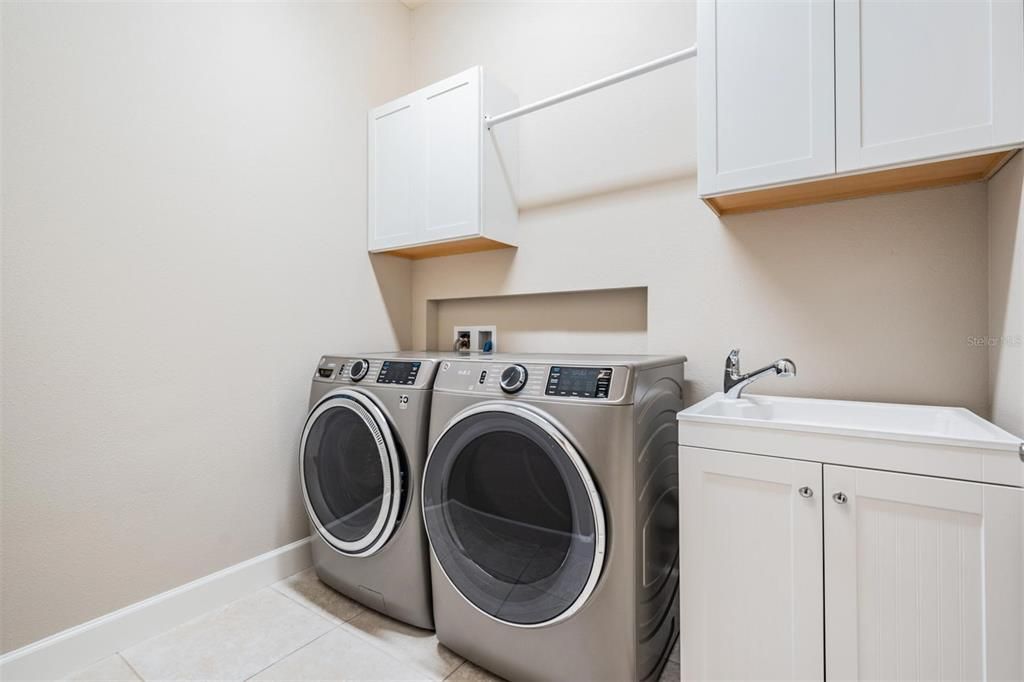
[(751, 567), (766, 93), (920, 80), (923, 577)]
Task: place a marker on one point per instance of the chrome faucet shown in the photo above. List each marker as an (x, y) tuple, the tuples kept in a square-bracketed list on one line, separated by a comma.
[(736, 382)]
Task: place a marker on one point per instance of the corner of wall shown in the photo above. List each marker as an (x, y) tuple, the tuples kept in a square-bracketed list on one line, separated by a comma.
[(1005, 337)]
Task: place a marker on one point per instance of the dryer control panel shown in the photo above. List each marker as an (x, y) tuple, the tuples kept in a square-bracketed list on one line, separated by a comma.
[(589, 383), (367, 371), (396, 372)]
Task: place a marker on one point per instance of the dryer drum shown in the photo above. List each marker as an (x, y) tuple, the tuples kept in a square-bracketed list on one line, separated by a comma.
[(513, 516), (350, 475)]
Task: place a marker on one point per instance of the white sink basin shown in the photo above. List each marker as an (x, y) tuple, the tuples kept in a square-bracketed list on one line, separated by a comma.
[(917, 437), (952, 425)]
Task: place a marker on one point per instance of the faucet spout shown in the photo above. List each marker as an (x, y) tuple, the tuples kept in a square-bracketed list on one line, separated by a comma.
[(735, 382)]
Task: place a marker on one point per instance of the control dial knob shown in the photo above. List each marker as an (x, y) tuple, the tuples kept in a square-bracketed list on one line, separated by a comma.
[(358, 370), (513, 378)]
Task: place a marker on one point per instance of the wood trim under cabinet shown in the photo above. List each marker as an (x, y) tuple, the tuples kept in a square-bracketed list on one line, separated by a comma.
[(448, 248), (904, 179)]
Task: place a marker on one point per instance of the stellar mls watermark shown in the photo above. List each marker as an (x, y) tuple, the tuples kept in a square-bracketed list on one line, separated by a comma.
[(1006, 341)]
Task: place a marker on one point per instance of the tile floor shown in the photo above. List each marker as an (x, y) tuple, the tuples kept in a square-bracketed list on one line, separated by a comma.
[(297, 629)]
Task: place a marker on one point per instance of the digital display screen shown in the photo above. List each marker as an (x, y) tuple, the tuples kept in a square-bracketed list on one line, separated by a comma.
[(398, 373), (579, 382)]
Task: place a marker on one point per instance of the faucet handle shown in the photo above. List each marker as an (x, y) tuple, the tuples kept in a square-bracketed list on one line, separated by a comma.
[(732, 362)]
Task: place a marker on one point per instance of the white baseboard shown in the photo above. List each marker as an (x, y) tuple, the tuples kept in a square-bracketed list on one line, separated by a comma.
[(66, 652)]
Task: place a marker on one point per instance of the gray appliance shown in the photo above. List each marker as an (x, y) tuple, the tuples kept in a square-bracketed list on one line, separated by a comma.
[(550, 499), (361, 460)]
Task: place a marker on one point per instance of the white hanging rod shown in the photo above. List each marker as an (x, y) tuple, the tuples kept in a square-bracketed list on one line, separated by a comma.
[(682, 55)]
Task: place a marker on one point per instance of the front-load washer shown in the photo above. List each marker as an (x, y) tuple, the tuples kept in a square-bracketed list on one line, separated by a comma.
[(550, 500), (360, 462)]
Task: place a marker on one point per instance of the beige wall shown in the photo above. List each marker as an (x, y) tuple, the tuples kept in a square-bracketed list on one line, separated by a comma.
[(873, 299), (184, 201), (1006, 295), (184, 233), (605, 321)]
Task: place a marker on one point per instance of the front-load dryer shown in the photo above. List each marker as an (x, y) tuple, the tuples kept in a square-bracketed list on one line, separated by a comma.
[(360, 462), (550, 499)]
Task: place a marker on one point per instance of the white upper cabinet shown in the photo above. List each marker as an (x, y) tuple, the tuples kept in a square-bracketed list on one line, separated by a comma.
[(395, 177), (439, 181), (920, 80), (452, 114), (803, 101), (766, 94)]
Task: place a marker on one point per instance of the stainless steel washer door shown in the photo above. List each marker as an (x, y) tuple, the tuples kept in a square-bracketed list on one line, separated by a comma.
[(351, 473), (513, 516)]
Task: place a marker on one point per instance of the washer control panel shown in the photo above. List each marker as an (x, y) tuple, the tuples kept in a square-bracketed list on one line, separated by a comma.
[(529, 380), (358, 370), (513, 378), (579, 382)]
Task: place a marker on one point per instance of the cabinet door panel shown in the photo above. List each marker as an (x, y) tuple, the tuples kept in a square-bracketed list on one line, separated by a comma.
[(751, 552), (766, 93), (453, 124), (917, 80), (395, 174), (917, 571)]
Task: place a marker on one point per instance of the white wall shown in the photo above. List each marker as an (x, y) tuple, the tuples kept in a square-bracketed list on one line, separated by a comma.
[(1005, 337), (874, 298), (184, 202)]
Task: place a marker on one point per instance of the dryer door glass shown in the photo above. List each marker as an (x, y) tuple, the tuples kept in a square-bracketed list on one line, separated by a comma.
[(348, 475), (513, 517)]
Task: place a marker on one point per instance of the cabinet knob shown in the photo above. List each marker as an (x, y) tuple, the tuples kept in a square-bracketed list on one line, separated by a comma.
[(806, 492), (839, 497)]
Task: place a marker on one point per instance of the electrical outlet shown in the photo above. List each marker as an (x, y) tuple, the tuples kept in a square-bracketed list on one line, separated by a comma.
[(475, 338)]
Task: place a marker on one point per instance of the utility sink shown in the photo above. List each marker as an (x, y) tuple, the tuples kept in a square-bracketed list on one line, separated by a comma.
[(943, 441)]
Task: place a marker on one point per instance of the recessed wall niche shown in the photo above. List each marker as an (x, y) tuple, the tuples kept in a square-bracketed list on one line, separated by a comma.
[(587, 321)]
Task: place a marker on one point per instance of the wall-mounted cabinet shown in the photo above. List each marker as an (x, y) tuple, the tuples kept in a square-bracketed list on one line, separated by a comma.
[(440, 182), (817, 100), (766, 93)]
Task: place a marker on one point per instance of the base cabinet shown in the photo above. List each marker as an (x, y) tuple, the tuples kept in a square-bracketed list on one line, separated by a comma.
[(800, 570), (751, 594), (923, 578)]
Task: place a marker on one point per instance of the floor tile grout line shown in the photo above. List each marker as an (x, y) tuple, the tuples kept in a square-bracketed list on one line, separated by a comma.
[(361, 634), (407, 662), (457, 669), (334, 623), (390, 651), (360, 610), (366, 638), (205, 614), (293, 651), (223, 607), (130, 666)]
